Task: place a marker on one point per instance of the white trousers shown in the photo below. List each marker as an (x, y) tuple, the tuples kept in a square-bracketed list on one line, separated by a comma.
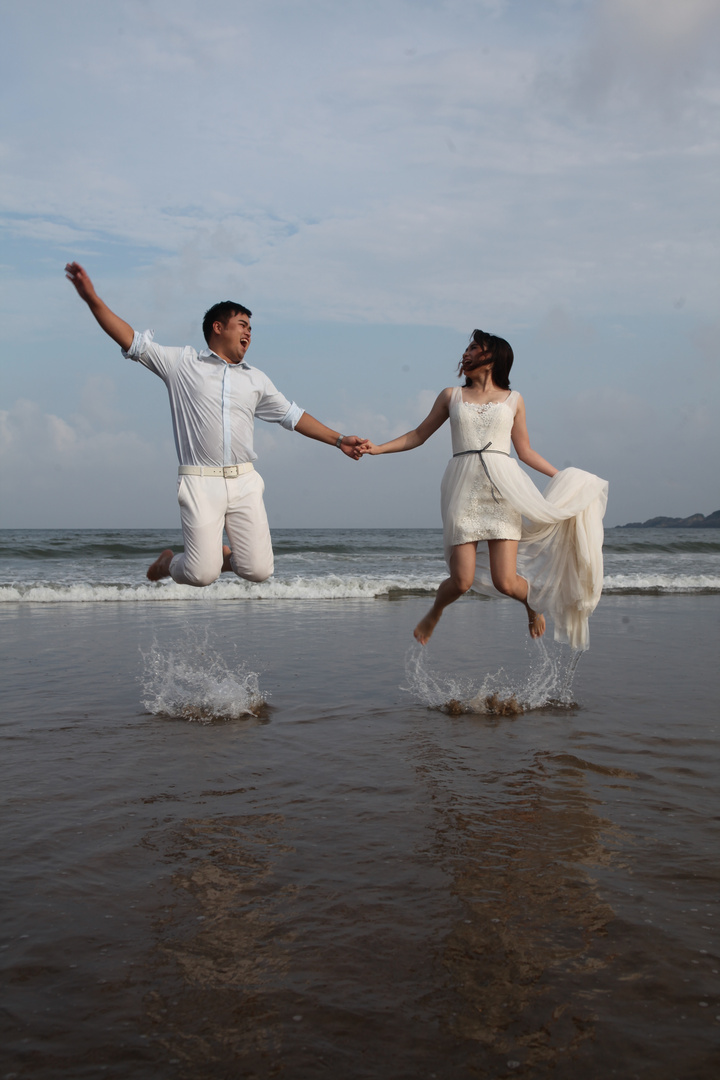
[(207, 503)]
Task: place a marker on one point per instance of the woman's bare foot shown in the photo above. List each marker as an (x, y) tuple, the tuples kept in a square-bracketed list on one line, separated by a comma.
[(423, 630), (161, 567), (536, 623), (226, 566)]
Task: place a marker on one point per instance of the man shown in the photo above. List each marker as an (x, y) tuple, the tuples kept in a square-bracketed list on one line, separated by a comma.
[(214, 398)]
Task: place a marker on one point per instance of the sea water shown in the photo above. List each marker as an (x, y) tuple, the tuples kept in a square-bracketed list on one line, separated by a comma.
[(275, 837), (95, 565)]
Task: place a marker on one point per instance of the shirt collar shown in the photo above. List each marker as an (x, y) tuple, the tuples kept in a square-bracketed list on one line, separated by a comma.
[(208, 354)]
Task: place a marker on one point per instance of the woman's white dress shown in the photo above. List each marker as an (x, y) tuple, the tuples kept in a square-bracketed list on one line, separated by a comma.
[(488, 496)]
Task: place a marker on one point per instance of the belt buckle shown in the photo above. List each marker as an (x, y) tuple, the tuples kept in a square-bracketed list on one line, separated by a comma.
[(230, 471)]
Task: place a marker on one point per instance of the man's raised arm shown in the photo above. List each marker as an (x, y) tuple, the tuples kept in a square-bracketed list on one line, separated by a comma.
[(112, 324)]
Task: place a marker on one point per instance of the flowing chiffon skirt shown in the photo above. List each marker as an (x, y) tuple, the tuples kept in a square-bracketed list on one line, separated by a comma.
[(560, 551)]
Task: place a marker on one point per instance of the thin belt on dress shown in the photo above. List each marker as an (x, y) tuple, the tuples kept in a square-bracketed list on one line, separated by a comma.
[(229, 472), (485, 450)]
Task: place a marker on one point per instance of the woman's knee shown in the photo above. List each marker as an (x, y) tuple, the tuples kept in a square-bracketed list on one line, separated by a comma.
[(504, 583), (463, 581)]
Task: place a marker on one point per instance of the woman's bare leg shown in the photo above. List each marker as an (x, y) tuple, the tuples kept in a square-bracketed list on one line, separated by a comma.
[(462, 572), (503, 567)]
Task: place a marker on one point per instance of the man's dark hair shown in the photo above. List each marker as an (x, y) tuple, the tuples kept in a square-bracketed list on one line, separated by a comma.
[(502, 357), (221, 313)]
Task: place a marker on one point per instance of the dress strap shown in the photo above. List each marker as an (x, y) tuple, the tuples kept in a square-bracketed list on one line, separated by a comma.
[(485, 450)]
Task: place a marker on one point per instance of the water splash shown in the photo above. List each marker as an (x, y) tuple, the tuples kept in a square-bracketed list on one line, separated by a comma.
[(191, 680), (547, 683)]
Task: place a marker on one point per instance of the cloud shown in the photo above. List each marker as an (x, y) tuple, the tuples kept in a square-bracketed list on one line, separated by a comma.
[(547, 170), (657, 53), (560, 326), (60, 474), (332, 151), (706, 339), (654, 454)]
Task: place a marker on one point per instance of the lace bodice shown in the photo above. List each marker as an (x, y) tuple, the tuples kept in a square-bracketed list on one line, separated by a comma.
[(473, 426)]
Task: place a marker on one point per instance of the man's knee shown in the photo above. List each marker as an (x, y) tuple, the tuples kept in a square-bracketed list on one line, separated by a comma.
[(196, 575), (258, 570)]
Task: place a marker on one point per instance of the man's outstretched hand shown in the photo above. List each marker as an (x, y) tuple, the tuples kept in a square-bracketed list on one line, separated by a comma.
[(75, 273), (112, 324)]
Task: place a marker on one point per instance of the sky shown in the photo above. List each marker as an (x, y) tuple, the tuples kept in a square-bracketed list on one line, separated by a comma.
[(374, 179)]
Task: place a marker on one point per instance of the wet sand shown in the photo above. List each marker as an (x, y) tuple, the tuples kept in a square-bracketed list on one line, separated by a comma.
[(351, 883)]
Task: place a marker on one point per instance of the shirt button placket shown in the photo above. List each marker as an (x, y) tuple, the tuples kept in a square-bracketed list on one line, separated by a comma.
[(226, 416)]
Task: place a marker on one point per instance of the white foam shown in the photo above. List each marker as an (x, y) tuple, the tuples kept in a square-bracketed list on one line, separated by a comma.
[(191, 680), (548, 682), (661, 583), (328, 587)]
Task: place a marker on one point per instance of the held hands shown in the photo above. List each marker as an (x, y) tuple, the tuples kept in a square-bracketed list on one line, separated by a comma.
[(355, 447), (368, 447), (351, 446)]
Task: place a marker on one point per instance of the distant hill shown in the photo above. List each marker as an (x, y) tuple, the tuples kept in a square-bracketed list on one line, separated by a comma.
[(695, 521)]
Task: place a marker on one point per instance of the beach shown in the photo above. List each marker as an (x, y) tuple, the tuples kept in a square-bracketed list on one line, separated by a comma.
[(271, 836)]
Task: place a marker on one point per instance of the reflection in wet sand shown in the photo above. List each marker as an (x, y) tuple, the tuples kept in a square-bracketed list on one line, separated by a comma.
[(462, 935), (523, 955), (524, 959), (219, 948)]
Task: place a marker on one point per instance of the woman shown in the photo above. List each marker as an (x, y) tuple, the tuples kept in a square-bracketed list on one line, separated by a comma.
[(485, 495)]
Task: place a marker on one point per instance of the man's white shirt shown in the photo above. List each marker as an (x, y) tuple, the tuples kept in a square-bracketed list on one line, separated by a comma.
[(213, 403)]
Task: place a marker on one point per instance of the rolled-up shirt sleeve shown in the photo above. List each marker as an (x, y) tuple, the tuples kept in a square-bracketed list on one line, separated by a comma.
[(274, 407), (141, 339), (157, 358), (292, 416)]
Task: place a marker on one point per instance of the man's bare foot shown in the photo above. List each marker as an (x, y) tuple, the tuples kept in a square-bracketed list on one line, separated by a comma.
[(423, 630), (161, 567), (226, 566), (536, 623)]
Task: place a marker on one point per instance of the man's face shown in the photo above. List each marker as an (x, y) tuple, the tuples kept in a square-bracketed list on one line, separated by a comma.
[(232, 340)]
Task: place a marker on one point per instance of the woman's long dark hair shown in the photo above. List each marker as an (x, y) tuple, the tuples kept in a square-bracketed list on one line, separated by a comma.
[(502, 358)]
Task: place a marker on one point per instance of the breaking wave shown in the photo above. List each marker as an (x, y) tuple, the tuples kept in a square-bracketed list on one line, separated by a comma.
[(328, 587)]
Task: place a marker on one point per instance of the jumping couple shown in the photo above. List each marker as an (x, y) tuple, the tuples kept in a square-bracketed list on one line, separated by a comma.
[(544, 550)]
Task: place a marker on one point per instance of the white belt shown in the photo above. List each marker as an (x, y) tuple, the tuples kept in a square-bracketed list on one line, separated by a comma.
[(226, 471)]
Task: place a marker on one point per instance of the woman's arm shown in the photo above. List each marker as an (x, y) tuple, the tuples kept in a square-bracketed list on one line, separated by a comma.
[(521, 442), (435, 419)]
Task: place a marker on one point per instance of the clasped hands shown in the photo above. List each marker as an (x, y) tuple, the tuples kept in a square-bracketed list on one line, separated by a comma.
[(355, 447)]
